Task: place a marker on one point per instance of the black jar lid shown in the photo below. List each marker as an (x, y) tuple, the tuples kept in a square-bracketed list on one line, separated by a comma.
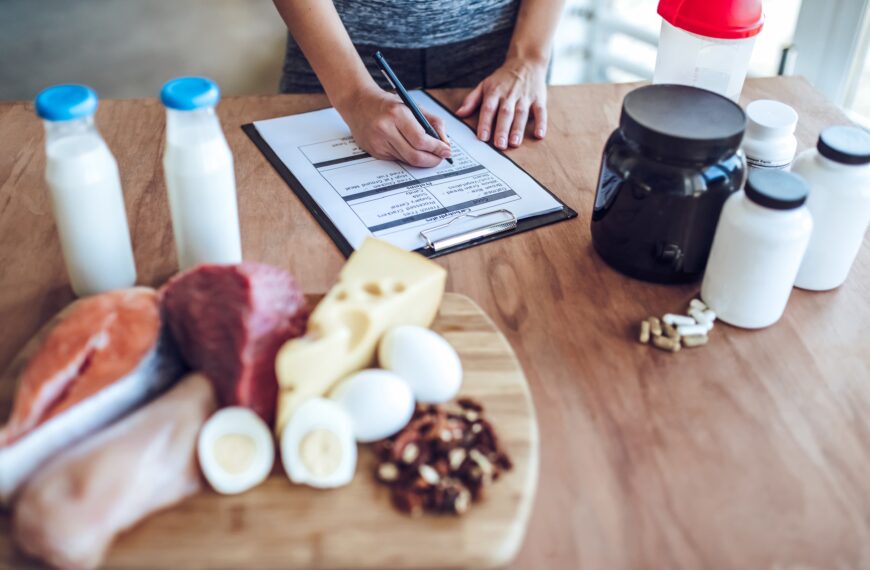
[(776, 189), (682, 123), (844, 144)]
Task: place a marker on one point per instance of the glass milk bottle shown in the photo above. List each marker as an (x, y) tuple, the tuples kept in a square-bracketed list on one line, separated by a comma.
[(200, 180), (86, 196)]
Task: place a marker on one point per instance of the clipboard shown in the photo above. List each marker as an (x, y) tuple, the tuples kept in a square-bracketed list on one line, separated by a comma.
[(490, 227)]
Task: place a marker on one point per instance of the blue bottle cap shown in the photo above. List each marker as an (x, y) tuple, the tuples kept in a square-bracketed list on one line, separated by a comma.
[(66, 102), (189, 93)]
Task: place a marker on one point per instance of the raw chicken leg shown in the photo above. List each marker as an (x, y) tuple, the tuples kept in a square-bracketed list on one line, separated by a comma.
[(73, 507)]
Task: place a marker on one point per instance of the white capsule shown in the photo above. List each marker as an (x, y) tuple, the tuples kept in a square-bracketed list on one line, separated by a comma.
[(701, 318), (697, 304), (688, 330), (710, 315), (673, 319)]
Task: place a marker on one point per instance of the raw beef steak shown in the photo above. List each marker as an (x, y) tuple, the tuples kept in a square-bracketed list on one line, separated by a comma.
[(229, 322)]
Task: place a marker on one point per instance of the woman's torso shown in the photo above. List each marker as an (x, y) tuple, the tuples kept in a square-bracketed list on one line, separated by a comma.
[(423, 23)]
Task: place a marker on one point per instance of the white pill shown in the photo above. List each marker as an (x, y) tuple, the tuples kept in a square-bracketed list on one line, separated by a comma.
[(673, 319), (697, 304), (701, 318), (689, 330), (710, 315)]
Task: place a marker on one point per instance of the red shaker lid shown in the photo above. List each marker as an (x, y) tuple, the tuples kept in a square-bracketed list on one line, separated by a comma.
[(723, 19)]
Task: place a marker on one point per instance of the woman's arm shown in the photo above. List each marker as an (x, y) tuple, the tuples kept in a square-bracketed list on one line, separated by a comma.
[(379, 121), (519, 86)]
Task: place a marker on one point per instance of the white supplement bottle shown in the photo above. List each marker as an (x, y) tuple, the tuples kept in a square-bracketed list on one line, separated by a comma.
[(838, 173), (769, 140), (86, 196), (759, 243), (200, 179)]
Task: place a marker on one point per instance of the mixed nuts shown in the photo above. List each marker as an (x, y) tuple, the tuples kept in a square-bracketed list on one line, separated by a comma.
[(442, 460)]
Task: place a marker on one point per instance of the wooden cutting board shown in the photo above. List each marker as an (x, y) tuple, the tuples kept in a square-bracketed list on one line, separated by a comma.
[(280, 525)]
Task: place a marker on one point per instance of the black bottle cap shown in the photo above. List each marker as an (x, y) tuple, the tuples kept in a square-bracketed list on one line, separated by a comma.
[(776, 189), (681, 122), (844, 144)]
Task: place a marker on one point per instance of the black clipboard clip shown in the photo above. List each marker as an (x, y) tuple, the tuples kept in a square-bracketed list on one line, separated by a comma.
[(452, 240)]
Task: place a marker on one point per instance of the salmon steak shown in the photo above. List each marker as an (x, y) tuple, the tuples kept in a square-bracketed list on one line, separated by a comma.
[(95, 361)]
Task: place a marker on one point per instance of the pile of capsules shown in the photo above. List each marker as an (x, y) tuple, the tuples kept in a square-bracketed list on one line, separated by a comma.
[(674, 331)]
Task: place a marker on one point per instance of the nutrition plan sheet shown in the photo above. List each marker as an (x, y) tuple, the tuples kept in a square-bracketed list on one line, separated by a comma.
[(364, 196)]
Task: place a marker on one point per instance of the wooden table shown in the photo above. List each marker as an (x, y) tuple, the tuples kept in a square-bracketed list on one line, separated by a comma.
[(753, 452)]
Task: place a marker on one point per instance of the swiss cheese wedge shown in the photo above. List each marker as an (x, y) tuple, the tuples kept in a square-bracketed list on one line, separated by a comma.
[(381, 286)]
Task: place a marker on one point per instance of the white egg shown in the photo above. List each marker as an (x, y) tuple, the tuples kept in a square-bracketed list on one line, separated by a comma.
[(236, 450), (379, 403), (318, 446), (425, 360)]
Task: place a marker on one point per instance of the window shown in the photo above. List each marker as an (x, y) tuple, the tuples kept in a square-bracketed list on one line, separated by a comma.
[(825, 40)]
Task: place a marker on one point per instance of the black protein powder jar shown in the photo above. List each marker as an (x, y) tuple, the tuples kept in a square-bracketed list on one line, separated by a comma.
[(665, 174)]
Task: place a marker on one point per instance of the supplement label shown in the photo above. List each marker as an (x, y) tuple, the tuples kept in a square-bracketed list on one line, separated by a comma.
[(767, 164)]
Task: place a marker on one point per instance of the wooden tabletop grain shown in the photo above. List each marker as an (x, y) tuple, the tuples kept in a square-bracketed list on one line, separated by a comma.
[(752, 452)]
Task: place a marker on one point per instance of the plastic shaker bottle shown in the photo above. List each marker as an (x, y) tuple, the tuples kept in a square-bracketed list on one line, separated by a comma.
[(200, 179), (86, 196), (707, 43)]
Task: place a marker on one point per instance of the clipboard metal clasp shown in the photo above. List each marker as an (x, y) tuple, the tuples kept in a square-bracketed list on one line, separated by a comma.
[(438, 244)]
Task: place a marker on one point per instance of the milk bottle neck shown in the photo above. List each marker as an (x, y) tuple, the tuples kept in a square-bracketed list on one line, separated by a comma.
[(78, 128), (192, 127)]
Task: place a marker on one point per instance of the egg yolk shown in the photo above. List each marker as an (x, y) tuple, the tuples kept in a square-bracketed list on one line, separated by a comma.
[(320, 451), (235, 452)]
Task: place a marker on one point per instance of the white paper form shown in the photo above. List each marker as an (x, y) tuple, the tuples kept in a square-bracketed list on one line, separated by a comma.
[(364, 196)]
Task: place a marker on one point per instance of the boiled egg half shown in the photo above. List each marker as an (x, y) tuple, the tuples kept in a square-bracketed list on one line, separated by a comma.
[(318, 446), (236, 450)]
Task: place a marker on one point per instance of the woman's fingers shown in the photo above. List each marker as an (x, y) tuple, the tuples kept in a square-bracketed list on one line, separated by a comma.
[(403, 151), (488, 110), (539, 111), (417, 138), (471, 101), (506, 112), (521, 117), (437, 124)]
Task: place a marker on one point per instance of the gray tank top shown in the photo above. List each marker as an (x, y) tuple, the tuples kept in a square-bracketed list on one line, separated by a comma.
[(423, 23)]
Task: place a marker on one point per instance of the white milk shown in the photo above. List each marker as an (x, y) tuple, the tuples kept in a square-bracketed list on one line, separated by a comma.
[(88, 204), (201, 183)]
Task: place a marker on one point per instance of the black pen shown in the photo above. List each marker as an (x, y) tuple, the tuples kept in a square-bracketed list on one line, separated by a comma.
[(406, 99)]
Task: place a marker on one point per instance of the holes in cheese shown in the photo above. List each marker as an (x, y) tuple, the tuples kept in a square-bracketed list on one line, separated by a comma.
[(357, 323), (373, 289)]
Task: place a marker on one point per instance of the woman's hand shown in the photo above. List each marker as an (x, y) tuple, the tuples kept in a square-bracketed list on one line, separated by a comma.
[(385, 128), (506, 99)]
